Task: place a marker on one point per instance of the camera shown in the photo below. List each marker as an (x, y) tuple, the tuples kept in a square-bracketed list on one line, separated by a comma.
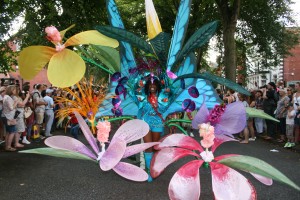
[(264, 86)]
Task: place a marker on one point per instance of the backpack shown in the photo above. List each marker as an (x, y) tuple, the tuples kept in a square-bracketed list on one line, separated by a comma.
[(33, 102)]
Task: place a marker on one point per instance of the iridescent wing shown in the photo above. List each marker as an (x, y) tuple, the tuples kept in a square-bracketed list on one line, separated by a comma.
[(204, 87), (127, 57), (179, 32), (128, 105)]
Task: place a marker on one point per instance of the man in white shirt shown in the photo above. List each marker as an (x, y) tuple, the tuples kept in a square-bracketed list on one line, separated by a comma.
[(49, 114)]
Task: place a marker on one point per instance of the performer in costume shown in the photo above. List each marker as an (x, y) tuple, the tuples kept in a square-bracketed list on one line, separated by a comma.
[(151, 112)]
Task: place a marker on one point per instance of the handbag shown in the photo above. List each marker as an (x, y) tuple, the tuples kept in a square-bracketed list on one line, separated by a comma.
[(11, 122), (27, 112)]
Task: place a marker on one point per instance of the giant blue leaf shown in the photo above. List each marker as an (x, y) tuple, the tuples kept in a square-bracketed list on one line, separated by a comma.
[(179, 32), (127, 57)]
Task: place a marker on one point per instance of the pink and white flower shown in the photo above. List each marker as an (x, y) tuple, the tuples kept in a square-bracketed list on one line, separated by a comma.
[(185, 184)]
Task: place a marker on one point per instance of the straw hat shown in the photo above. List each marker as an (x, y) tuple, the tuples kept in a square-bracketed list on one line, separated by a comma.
[(2, 89)]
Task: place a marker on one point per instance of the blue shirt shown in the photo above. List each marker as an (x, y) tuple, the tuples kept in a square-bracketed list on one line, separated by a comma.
[(50, 102)]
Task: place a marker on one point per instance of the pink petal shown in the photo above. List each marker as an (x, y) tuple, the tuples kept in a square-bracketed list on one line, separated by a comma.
[(171, 75), (229, 184), (70, 144), (113, 154), (132, 130), (87, 132), (134, 149), (219, 139), (185, 184), (200, 117), (130, 172), (165, 157), (263, 179), (179, 140)]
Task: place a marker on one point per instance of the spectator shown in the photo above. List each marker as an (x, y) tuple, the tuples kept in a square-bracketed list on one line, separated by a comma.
[(29, 120), (290, 126), (39, 105), (269, 106), (296, 103), (74, 126), (8, 113), (290, 93), (189, 116), (2, 130), (281, 112), (259, 122), (20, 126), (49, 114), (229, 98), (219, 92), (246, 140)]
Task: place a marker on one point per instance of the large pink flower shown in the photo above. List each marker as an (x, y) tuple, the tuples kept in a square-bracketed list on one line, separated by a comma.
[(109, 158), (185, 184)]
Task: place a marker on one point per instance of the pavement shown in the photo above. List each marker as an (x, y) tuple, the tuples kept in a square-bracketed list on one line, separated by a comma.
[(35, 177)]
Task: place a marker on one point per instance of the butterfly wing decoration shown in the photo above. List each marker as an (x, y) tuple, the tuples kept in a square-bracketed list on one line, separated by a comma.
[(204, 88), (127, 58), (127, 62), (179, 32)]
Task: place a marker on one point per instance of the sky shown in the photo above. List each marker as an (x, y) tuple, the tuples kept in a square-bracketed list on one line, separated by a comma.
[(296, 10)]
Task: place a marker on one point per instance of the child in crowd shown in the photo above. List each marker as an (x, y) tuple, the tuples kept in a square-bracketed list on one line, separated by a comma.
[(290, 126)]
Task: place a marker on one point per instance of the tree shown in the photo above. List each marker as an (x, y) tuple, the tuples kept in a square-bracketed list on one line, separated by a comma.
[(257, 24)]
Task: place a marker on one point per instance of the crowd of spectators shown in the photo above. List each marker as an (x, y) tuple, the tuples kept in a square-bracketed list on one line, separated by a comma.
[(276, 100)]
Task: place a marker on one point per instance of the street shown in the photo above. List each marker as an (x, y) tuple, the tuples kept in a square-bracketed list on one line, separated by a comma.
[(31, 176)]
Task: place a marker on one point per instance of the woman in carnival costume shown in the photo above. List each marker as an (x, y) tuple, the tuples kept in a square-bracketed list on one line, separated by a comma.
[(151, 110)]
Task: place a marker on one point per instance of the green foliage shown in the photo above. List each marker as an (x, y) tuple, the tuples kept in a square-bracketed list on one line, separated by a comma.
[(57, 153), (217, 79), (126, 36), (260, 25)]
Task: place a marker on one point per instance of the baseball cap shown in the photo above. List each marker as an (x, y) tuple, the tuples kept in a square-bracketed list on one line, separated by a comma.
[(49, 91)]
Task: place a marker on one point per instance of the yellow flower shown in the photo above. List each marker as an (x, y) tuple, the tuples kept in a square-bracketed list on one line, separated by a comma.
[(65, 67)]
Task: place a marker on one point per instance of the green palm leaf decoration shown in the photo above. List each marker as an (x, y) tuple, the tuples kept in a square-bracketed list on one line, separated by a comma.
[(199, 38), (257, 166), (110, 57), (217, 79), (57, 153), (252, 112), (160, 45), (126, 36)]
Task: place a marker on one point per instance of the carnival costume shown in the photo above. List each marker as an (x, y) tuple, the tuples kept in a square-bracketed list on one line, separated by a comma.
[(185, 91)]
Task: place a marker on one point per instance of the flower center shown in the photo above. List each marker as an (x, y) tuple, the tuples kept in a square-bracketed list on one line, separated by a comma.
[(207, 156), (59, 47), (100, 154)]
